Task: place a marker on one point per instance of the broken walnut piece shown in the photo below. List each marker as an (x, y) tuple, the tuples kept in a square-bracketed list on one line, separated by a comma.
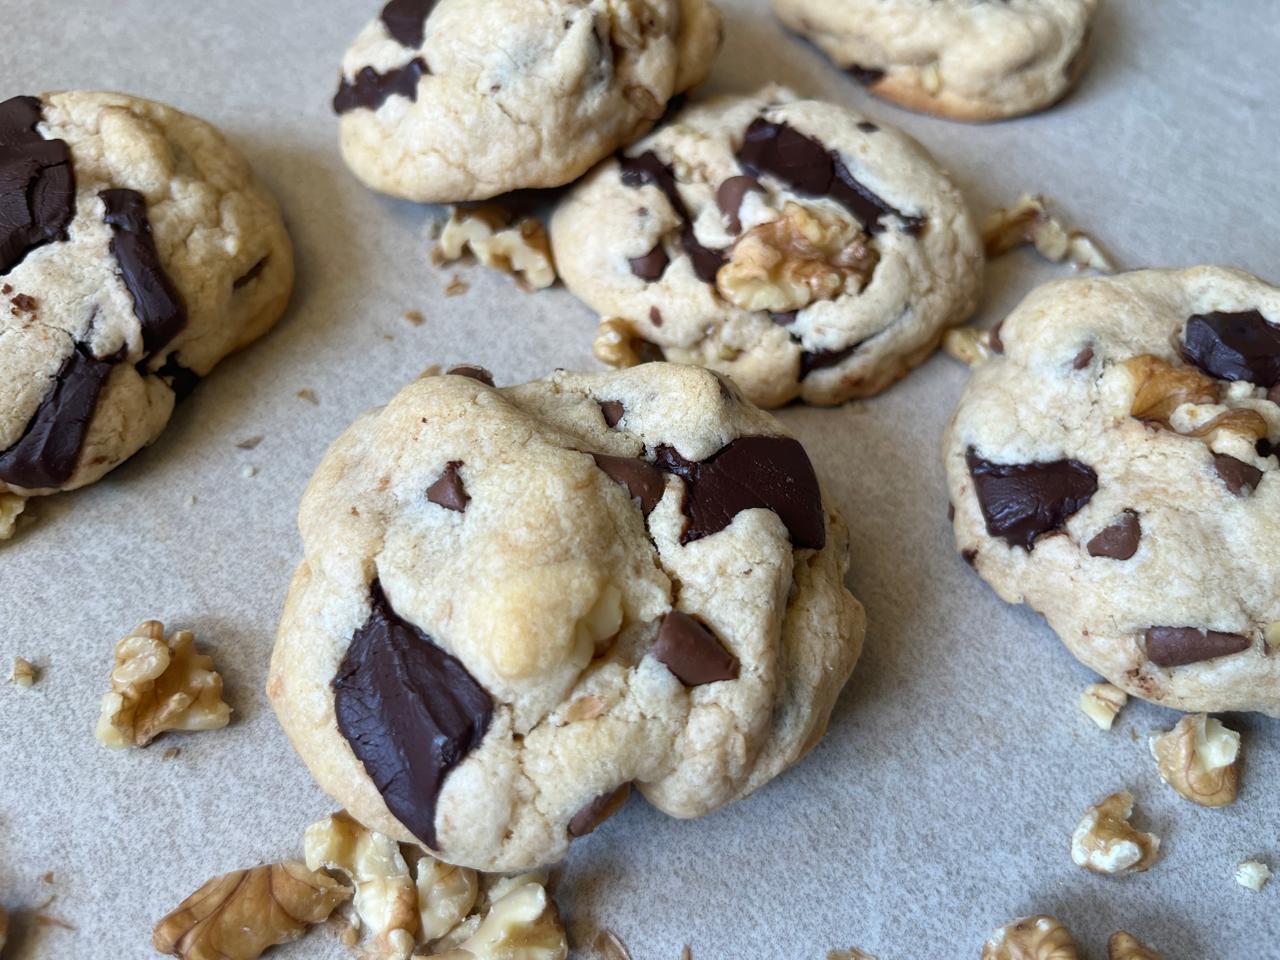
[(522, 925), (520, 249), (1029, 222), (446, 896), (1199, 758), (157, 686), (969, 345), (1125, 946), (239, 915), (1105, 841), (11, 507), (1101, 702), (618, 345), (1253, 874), (24, 673), (800, 258), (1032, 938), (853, 954), (1160, 388)]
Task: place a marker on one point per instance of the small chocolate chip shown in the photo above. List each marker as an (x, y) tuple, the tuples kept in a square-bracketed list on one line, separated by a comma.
[(642, 480), (729, 197), (784, 319), (867, 76), (1241, 478), (1083, 359), (821, 359), (692, 652), (1264, 447), (598, 811), (1119, 539), (473, 373), (23, 303), (997, 345), (1234, 346), (970, 556), (1178, 646), (655, 316), (406, 21), (652, 265), (1023, 501), (251, 275), (371, 89), (448, 491), (866, 126), (613, 411)]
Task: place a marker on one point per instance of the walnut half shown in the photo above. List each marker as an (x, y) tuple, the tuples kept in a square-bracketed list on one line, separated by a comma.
[(1033, 938), (1105, 841), (1199, 758)]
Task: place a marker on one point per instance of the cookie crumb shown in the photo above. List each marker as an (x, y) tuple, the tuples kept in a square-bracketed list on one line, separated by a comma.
[(1029, 222), (191, 500), (415, 317), (24, 673), (309, 395), (457, 286), (248, 443), (610, 947)]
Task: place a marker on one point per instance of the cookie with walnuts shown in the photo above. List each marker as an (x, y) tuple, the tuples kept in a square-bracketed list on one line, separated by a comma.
[(517, 604), (137, 249), (443, 101), (793, 244), (1114, 467), (974, 60)]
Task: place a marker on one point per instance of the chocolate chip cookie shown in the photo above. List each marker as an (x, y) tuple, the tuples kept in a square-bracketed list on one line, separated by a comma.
[(971, 60), (1114, 467), (137, 249), (449, 100), (794, 244), (514, 604)]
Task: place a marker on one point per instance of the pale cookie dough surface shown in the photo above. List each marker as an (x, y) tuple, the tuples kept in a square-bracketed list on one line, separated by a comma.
[(101, 326), (467, 99), (964, 59), (1163, 385), (551, 587), (832, 269)]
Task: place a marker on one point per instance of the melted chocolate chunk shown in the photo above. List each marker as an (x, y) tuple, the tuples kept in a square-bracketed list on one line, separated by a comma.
[(598, 811), (472, 373), (729, 198), (821, 359), (1234, 346), (612, 411), (1178, 646), (1023, 501), (648, 169), (692, 652), (810, 169), (37, 184), (1241, 478), (180, 379), (867, 76), (156, 302), (409, 711), (46, 453), (371, 89), (1082, 359), (769, 472), (1119, 539), (406, 21), (643, 480), (652, 265), (448, 491), (251, 275)]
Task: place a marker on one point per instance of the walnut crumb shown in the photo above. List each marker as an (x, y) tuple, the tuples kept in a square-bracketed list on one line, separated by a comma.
[(11, 507), (1105, 841), (521, 249), (171, 753), (1200, 759), (309, 395), (618, 345), (1102, 702), (851, 954), (24, 673), (1125, 946), (249, 443), (1033, 938), (415, 317), (1253, 874), (610, 947), (1029, 222), (968, 345), (456, 286)]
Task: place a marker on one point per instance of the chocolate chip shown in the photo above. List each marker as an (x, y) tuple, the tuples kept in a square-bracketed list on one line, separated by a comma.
[(1178, 646), (866, 126), (37, 184), (970, 556), (448, 491), (821, 359), (253, 273), (993, 338), (648, 169), (769, 472), (655, 316), (692, 652), (729, 198), (472, 373), (1083, 359), (809, 168), (652, 265), (180, 379), (1119, 539), (784, 319), (406, 21), (45, 455), (647, 351), (371, 89), (613, 411), (23, 303), (1264, 447), (1023, 501), (642, 480), (1234, 346), (1241, 478), (867, 76), (409, 711), (156, 302), (598, 811)]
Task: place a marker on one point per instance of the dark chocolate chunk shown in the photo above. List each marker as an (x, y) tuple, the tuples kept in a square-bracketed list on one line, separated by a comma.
[(598, 811), (1178, 646), (612, 411), (156, 302), (448, 491), (45, 455), (993, 338), (970, 556), (769, 472), (809, 168), (655, 316), (1023, 501), (1241, 478), (1119, 539), (37, 184), (642, 479), (1264, 447), (1083, 359), (867, 76), (406, 21), (371, 89), (648, 169), (692, 652), (811, 360), (180, 379), (409, 711), (652, 265), (251, 275), (729, 197), (472, 373), (866, 126), (1234, 346)]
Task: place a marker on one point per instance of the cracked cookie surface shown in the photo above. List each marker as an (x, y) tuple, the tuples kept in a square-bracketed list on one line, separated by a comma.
[(1114, 467), (516, 602), (443, 101), (792, 244)]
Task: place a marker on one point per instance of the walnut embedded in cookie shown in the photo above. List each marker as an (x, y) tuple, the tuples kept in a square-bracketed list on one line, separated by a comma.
[(137, 249), (1114, 467), (963, 59), (516, 605), (792, 244), (443, 101)]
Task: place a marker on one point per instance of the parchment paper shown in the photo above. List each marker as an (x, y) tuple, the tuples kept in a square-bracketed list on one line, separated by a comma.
[(941, 802)]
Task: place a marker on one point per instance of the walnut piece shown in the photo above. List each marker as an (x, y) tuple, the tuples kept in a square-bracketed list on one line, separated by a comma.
[(1105, 841), (24, 673), (1253, 874), (853, 954), (239, 915), (802, 257), (158, 686), (1033, 938), (1029, 221), (522, 925), (969, 345), (1125, 946), (1199, 758), (618, 345), (1162, 390), (446, 895), (1272, 636), (11, 507), (521, 250), (1101, 702)]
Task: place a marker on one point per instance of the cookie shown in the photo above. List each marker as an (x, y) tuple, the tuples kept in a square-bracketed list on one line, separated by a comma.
[(137, 249), (1114, 468), (443, 101), (793, 244), (516, 604), (973, 60)]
